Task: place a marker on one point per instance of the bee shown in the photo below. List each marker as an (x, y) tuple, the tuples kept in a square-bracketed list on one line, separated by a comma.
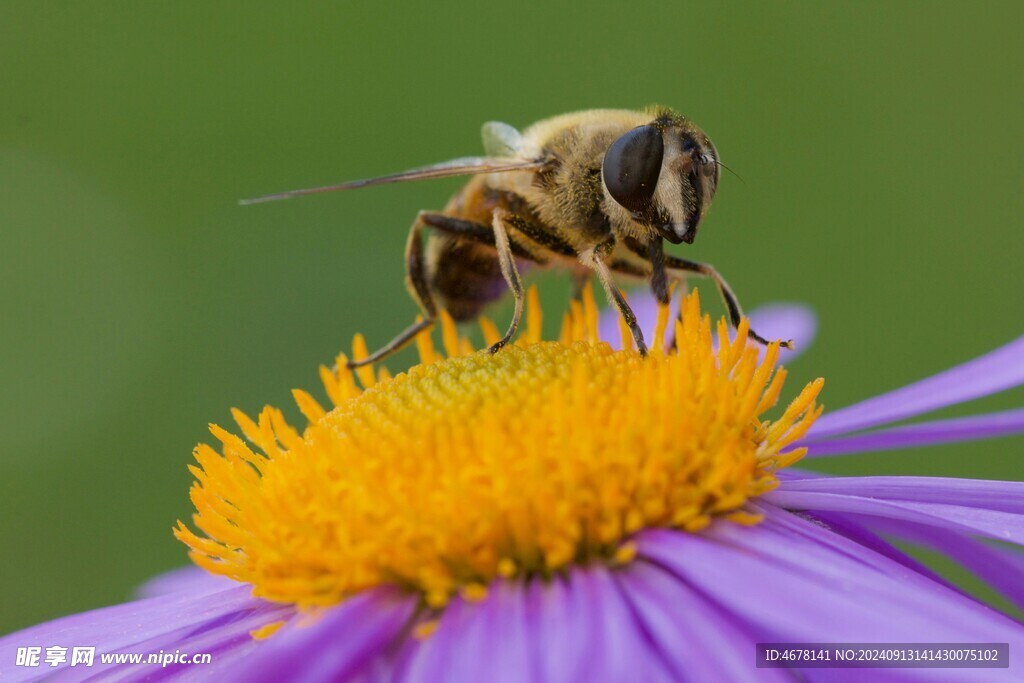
[(597, 192)]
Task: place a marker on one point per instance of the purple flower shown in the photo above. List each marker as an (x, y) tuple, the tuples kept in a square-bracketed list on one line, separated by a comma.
[(819, 566)]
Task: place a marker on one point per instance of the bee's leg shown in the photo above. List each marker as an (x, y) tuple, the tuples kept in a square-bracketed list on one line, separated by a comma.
[(624, 267), (549, 242), (539, 236), (659, 280), (731, 303), (416, 277), (478, 232), (595, 259), (416, 281), (508, 269)]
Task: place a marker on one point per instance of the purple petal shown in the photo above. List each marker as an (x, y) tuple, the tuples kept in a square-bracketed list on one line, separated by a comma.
[(339, 645), (797, 474), (994, 372), (574, 629), (781, 320), (227, 640), (192, 579), (1002, 526), (1007, 496), (1000, 567), (695, 638), (790, 580), (467, 630), (119, 628), (505, 623), (864, 534), (554, 609), (622, 651), (563, 616), (925, 434), (458, 644)]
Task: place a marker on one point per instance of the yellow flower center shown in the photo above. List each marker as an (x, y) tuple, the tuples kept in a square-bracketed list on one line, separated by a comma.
[(474, 466)]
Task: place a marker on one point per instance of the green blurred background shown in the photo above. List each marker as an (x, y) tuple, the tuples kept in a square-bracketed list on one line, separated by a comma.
[(881, 149)]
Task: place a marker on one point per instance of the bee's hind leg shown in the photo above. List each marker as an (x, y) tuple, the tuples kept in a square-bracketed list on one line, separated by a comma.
[(416, 281)]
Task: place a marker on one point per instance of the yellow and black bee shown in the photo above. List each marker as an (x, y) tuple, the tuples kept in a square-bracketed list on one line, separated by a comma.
[(596, 191)]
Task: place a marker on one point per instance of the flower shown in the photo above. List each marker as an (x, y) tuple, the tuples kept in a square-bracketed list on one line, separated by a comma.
[(562, 511), (460, 472)]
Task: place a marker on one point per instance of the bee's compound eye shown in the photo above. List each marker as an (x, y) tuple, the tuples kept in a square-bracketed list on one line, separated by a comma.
[(631, 167)]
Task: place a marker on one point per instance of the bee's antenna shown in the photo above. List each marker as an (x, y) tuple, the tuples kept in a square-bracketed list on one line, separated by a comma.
[(731, 171)]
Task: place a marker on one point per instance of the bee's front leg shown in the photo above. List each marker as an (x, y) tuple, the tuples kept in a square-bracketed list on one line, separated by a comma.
[(732, 304), (595, 258), (678, 268), (659, 279)]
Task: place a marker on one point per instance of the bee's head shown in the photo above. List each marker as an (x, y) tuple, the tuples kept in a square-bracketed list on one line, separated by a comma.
[(664, 174)]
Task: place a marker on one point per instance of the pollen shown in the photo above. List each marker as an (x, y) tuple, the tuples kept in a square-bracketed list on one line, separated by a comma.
[(264, 632), (473, 467)]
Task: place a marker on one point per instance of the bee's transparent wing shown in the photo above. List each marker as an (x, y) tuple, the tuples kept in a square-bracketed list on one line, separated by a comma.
[(444, 169), (500, 139)]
